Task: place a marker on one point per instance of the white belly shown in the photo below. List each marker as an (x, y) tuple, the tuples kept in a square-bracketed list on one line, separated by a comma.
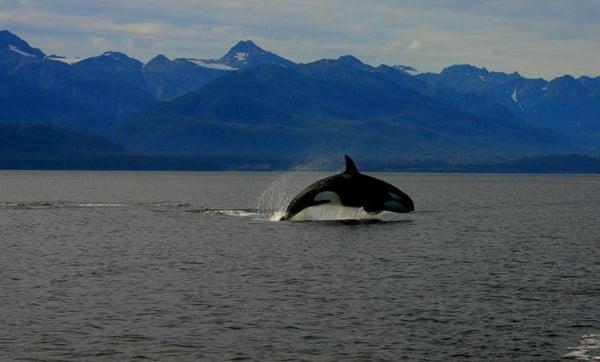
[(331, 212)]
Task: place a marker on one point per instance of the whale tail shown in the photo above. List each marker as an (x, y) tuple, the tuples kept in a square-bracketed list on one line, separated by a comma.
[(350, 166)]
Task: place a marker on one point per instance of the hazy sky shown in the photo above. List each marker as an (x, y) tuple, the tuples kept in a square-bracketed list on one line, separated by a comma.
[(536, 38)]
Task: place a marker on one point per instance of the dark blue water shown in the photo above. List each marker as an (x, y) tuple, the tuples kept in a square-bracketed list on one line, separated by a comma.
[(182, 266)]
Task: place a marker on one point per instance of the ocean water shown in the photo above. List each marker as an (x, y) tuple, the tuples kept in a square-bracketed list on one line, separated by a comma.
[(189, 266)]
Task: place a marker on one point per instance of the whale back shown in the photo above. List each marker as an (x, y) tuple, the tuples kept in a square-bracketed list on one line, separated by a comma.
[(349, 189)]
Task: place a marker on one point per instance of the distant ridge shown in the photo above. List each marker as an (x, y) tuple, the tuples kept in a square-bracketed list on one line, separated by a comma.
[(326, 104), (255, 103), (17, 141)]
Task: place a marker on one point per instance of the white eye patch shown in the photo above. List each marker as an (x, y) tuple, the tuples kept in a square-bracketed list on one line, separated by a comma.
[(328, 196)]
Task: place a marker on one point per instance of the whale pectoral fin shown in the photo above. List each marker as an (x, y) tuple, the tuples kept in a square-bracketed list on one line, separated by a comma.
[(372, 208)]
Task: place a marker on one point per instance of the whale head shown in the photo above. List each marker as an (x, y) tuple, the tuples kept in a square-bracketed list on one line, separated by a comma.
[(379, 195), (398, 202)]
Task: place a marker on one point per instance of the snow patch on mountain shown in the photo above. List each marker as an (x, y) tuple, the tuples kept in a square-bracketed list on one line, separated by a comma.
[(407, 69), (115, 55), (60, 58), (240, 56), (13, 48), (211, 64), (515, 97)]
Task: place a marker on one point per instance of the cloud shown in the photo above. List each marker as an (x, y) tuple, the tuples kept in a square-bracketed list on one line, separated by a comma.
[(414, 45), (396, 44), (532, 37), (98, 41)]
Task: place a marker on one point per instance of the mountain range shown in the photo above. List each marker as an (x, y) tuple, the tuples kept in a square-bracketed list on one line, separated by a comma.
[(255, 103)]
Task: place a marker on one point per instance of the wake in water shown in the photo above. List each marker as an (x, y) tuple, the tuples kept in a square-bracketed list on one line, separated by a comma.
[(34, 205), (332, 214), (62, 204), (228, 212), (588, 348), (271, 204)]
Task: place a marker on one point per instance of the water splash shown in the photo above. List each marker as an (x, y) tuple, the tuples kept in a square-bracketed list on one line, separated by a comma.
[(274, 199)]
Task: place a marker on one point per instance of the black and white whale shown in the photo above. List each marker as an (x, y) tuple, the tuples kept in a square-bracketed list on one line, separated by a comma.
[(349, 189)]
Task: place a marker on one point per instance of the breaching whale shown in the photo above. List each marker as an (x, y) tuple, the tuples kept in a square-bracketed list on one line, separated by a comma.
[(349, 189)]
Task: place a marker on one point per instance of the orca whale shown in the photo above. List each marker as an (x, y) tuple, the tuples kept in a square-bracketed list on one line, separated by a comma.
[(350, 189)]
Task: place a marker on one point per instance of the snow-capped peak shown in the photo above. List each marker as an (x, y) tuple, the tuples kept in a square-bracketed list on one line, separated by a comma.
[(247, 54)]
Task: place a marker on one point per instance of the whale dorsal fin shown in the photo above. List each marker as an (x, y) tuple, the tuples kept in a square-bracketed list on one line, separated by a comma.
[(350, 166)]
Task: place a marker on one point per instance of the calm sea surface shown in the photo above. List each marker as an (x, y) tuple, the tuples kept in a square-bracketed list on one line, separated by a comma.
[(187, 266)]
